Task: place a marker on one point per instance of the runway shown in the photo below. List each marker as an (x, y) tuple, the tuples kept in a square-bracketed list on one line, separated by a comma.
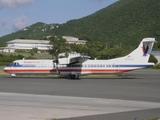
[(90, 98)]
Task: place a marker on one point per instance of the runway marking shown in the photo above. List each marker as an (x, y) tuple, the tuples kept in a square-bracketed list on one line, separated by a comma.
[(47, 107)]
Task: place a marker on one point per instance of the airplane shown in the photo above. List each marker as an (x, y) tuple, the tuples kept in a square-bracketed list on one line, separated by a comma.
[(76, 64)]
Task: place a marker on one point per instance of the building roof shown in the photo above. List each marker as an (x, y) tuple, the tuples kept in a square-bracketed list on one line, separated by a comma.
[(73, 39), (28, 41), (68, 39)]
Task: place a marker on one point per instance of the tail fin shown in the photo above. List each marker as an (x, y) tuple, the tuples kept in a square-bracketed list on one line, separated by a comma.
[(142, 53)]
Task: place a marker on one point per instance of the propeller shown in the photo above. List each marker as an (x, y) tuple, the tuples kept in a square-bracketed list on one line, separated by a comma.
[(56, 60)]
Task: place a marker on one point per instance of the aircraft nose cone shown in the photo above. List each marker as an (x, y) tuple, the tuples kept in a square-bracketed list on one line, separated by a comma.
[(5, 69)]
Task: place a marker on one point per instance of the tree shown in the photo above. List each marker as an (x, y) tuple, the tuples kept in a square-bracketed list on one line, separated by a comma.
[(3, 44), (35, 50), (59, 45), (32, 52), (153, 59), (85, 37)]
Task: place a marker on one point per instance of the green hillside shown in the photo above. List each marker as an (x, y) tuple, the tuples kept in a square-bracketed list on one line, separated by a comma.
[(35, 31), (125, 22)]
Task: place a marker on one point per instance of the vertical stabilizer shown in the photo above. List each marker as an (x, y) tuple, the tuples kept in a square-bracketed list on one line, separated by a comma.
[(142, 53)]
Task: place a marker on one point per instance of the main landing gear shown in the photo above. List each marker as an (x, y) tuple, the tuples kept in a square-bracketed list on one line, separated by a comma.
[(74, 76)]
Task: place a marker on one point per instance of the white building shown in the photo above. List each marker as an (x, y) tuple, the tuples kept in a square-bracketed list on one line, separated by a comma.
[(74, 40), (26, 44), (7, 49)]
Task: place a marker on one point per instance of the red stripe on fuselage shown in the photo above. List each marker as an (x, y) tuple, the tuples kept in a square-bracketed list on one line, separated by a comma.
[(65, 70)]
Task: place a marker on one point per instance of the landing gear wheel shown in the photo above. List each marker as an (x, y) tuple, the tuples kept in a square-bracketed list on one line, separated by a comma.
[(74, 76), (77, 76)]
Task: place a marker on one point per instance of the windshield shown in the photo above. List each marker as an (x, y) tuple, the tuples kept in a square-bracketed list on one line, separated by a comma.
[(14, 64)]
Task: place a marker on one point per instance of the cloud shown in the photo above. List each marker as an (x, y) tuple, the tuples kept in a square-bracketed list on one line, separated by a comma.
[(14, 3), (3, 25), (4, 22), (19, 23)]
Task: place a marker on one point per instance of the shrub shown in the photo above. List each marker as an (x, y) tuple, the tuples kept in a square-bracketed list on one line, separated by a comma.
[(153, 59)]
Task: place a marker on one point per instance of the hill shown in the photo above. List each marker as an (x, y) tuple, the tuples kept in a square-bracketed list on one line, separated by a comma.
[(35, 31), (125, 22)]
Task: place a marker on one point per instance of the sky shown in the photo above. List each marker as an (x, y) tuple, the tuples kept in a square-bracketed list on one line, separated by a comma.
[(17, 14)]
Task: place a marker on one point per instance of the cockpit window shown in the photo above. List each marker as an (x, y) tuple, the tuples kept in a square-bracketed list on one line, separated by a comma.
[(11, 64), (14, 64)]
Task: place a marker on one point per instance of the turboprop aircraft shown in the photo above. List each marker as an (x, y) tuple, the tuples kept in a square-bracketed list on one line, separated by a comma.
[(76, 64)]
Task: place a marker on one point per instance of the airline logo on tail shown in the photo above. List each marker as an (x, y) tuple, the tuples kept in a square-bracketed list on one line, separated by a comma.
[(145, 50)]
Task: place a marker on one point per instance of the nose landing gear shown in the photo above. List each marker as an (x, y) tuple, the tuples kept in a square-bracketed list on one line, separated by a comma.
[(13, 75)]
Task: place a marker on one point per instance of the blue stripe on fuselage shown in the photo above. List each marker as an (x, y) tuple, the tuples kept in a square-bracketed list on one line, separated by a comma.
[(92, 65), (134, 65)]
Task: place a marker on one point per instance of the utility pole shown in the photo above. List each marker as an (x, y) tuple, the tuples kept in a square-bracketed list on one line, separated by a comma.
[(120, 45), (106, 45)]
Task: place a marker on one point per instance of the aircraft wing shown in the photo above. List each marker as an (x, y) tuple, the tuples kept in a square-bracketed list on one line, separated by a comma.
[(78, 59), (73, 59)]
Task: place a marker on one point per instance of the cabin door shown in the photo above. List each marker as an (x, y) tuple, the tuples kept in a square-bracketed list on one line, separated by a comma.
[(116, 68)]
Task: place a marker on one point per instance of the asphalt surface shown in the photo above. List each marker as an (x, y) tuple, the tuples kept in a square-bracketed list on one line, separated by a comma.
[(141, 85)]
